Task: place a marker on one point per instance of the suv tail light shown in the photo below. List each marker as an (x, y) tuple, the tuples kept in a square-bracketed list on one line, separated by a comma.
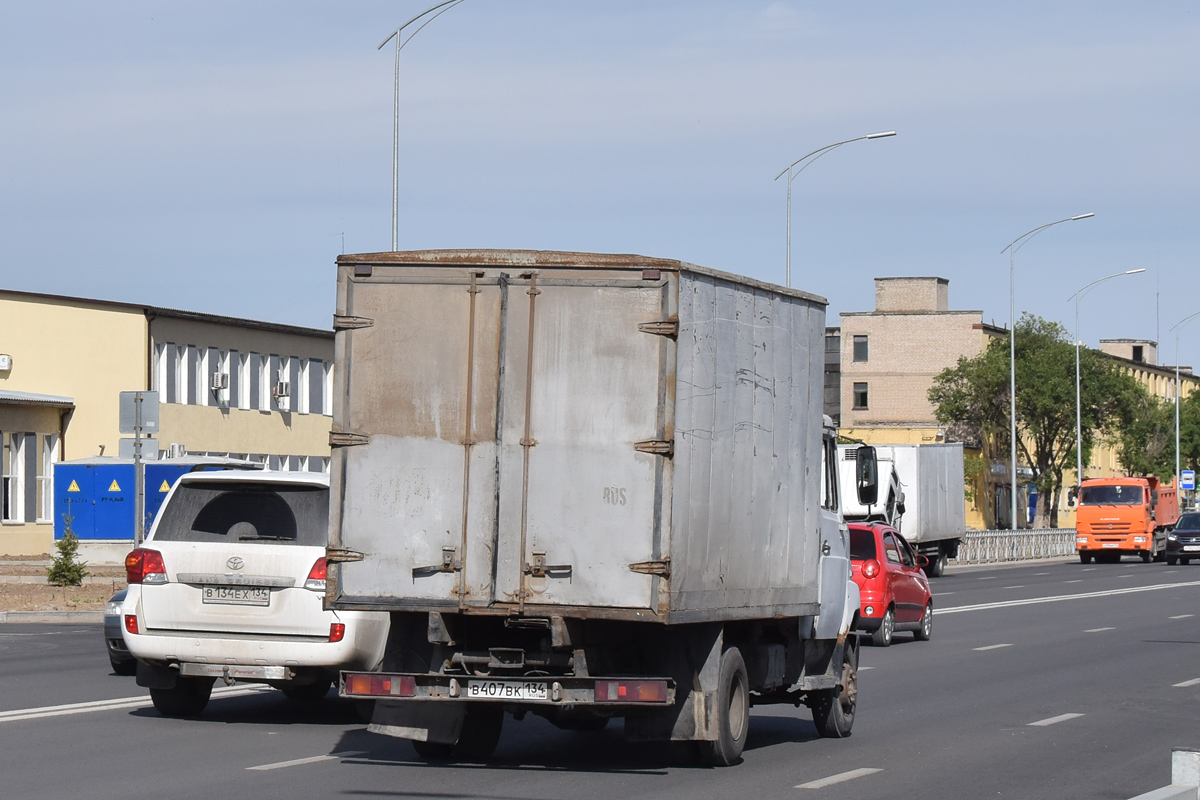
[(870, 568), (145, 566), (131, 623), (337, 631), (316, 576)]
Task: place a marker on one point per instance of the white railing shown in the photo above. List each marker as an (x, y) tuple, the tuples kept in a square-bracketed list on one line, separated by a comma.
[(987, 547)]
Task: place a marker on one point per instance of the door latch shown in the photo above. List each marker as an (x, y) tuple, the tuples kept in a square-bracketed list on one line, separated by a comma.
[(825, 548), (540, 569), (450, 563)]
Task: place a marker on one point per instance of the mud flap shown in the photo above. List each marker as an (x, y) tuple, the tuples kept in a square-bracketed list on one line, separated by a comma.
[(156, 677), (435, 722), (692, 658)]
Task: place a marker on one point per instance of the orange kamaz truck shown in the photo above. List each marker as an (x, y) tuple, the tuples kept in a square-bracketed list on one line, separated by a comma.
[(1124, 516)]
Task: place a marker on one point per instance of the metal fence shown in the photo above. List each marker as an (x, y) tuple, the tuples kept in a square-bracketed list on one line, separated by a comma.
[(988, 547)]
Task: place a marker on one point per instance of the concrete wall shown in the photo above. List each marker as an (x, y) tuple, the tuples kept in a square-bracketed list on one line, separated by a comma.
[(224, 430)]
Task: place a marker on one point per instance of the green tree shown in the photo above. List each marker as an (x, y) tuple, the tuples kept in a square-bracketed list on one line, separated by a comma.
[(1146, 441), (66, 569), (972, 400)]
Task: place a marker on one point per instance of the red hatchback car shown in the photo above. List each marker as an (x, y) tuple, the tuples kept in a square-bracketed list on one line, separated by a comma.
[(895, 592)]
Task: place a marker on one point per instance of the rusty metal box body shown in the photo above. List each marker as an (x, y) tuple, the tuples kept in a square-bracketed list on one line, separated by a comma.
[(570, 434)]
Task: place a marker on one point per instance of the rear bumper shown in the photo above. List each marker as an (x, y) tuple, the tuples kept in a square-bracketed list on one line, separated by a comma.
[(560, 691), (361, 648)]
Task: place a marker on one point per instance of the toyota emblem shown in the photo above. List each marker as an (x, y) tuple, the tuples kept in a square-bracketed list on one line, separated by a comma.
[(235, 563)]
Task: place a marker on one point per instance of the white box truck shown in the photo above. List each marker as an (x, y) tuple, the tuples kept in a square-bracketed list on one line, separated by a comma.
[(921, 494), (587, 487)]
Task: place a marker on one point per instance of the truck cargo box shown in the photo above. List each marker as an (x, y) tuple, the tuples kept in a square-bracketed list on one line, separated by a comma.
[(565, 433)]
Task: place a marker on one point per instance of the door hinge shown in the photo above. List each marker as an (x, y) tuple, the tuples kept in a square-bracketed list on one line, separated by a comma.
[(337, 555), (347, 439), (540, 569), (658, 447), (667, 327), (662, 567), (346, 323), (450, 563)]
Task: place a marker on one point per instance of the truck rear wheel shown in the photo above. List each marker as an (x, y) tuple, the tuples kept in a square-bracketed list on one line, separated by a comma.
[(1145, 556), (833, 709), (733, 712), (481, 728), (937, 565)]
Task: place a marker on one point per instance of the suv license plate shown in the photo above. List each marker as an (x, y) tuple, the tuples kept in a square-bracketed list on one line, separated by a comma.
[(1191, 548), (507, 690), (236, 595)]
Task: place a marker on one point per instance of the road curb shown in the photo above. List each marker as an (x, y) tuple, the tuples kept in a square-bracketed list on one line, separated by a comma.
[(52, 617)]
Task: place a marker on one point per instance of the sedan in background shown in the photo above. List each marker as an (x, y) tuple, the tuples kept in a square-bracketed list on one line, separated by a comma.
[(894, 592), (122, 662)]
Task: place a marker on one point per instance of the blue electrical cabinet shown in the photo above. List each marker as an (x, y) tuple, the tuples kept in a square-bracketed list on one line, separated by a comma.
[(95, 496)]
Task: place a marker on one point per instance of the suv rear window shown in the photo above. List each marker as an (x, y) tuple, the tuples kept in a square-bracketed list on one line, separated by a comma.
[(231, 512), (862, 544)]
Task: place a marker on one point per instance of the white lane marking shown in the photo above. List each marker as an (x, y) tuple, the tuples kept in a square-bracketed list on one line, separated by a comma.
[(1041, 723), (1098, 630), (295, 762), (1126, 576), (1020, 586), (989, 578), (943, 594), (1089, 569), (70, 709), (1077, 580), (991, 647), (864, 669), (1040, 573), (1186, 684), (1060, 597), (841, 777), (1181, 616)]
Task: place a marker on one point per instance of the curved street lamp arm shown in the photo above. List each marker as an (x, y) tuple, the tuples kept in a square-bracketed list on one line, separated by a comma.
[(1084, 290), (1186, 319), (1024, 238), (821, 150), (396, 32)]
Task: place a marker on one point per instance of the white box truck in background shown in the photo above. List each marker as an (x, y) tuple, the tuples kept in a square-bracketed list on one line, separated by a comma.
[(921, 494), (587, 487)]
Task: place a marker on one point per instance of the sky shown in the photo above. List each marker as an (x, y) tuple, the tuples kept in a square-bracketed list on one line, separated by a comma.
[(217, 156)]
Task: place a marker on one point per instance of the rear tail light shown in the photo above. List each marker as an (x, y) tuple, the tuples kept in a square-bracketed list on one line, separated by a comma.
[(145, 566), (131, 623), (870, 568), (367, 684), (631, 691), (337, 631), (316, 576)]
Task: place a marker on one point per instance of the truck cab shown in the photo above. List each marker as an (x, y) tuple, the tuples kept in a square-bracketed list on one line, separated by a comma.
[(1124, 516)]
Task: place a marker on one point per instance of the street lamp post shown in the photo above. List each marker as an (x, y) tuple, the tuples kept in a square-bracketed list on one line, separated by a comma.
[(1011, 249), (401, 40), (1078, 407), (1178, 328), (814, 155)]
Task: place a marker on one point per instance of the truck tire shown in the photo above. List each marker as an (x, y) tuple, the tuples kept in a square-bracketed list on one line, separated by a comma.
[(833, 709), (937, 565), (1172, 561), (1085, 558), (187, 698), (481, 727), (882, 637), (925, 632), (733, 712), (1145, 556), (433, 751)]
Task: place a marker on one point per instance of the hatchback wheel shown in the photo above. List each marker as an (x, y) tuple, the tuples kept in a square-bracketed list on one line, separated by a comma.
[(925, 632), (882, 637)]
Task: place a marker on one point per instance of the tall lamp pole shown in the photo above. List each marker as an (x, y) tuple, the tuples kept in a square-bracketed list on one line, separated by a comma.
[(427, 16), (814, 155), (1178, 328), (1078, 406), (1012, 248)]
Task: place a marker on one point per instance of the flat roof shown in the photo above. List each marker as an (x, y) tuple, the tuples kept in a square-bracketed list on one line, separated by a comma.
[(174, 313)]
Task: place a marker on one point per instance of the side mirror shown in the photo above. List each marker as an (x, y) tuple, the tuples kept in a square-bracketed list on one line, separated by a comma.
[(1154, 498), (866, 475), (922, 562)]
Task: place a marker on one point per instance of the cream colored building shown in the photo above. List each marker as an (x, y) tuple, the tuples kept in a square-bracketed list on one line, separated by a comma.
[(226, 386)]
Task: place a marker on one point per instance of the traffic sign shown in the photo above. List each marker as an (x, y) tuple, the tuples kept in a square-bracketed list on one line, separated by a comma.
[(128, 412), (1187, 480)]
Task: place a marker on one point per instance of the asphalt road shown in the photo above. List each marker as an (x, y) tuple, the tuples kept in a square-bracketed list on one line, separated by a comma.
[(1018, 695)]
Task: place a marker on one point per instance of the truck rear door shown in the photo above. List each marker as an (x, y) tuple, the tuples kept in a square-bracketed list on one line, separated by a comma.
[(492, 427)]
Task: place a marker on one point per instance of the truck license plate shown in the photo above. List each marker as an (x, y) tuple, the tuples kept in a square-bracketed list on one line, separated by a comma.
[(236, 595), (507, 690), (1111, 544)]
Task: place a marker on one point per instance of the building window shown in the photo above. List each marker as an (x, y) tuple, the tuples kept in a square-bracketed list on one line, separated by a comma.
[(833, 343), (860, 348), (19, 466), (1137, 352), (45, 478), (860, 395)]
